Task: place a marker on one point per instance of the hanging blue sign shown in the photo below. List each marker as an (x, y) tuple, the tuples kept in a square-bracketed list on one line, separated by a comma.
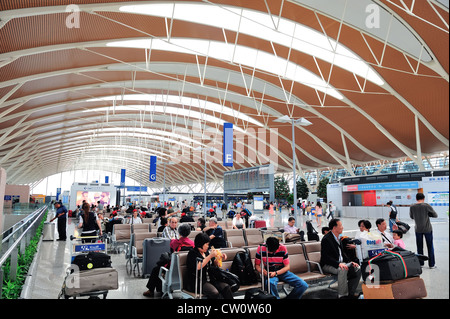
[(152, 175), (228, 144), (122, 177)]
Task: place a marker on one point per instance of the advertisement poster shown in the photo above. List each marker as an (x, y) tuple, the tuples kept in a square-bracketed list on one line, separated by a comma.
[(93, 198)]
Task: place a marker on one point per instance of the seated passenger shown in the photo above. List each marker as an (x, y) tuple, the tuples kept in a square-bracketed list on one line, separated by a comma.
[(211, 289), (278, 268), (388, 240), (215, 233), (334, 261), (183, 243), (179, 244), (291, 232), (238, 222), (201, 224), (171, 231)]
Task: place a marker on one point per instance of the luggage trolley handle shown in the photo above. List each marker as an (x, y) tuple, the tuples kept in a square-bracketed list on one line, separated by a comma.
[(262, 268), (198, 295), (101, 237)]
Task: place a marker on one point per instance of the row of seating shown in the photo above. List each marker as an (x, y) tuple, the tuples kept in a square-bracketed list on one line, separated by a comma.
[(134, 247), (234, 237), (133, 236), (304, 262)]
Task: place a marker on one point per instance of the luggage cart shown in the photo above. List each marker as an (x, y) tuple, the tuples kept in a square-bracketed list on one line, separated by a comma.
[(84, 245)]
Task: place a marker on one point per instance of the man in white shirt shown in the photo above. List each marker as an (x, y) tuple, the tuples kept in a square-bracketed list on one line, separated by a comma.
[(388, 240)]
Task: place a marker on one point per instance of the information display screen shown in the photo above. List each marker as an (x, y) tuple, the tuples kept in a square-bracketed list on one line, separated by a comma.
[(257, 178), (93, 198)]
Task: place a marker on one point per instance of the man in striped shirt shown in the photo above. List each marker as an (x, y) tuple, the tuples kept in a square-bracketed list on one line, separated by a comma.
[(278, 268)]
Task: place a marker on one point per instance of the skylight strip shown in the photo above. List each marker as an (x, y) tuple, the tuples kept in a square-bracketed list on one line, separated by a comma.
[(260, 25), (242, 55), (175, 99), (162, 109)]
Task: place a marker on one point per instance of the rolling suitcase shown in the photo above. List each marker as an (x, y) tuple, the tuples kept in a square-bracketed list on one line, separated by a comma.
[(48, 231), (152, 250), (256, 293), (90, 281), (410, 288), (260, 223)]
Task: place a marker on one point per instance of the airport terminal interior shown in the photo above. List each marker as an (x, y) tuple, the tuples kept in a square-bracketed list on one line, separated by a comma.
[(272, 104)]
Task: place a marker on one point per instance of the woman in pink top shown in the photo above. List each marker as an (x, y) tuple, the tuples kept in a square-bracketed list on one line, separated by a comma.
[(271, 212)]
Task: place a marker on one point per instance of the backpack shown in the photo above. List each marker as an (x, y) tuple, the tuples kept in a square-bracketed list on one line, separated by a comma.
[(242, 266), (217, 274), (249, 213)]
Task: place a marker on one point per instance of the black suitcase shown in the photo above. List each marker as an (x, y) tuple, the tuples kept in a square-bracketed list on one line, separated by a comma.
[(310, 228), (313, 236), (92, 260), (256, 293), (392, 265)]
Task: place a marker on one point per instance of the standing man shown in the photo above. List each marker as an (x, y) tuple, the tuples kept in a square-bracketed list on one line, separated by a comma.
[(421, 213), (334, 261), (332, 209), (392, 215), (61, 214)]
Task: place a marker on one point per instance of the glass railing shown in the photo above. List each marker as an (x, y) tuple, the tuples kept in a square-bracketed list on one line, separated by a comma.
[(16, 239)]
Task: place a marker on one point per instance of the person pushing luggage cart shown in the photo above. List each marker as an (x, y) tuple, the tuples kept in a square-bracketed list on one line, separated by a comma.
[(89, 223)]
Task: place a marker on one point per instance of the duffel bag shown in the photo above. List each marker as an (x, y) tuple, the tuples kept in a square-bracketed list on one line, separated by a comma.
[(221, 275), (92, 260), (392, 265)]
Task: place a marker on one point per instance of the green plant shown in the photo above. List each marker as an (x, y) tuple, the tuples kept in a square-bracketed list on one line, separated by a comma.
[(302, 189), (322, 189), (281, 188), (12, 289)]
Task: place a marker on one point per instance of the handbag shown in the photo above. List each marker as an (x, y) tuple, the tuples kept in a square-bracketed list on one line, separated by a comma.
[(218, 274)]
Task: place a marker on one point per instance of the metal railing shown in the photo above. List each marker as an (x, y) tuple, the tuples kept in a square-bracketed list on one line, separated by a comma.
[(18, 240)]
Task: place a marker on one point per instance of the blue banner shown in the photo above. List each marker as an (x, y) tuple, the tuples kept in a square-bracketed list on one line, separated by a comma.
[(122, 177), (89, 247), (152, 174), (228, 144), (394, 185), (137, 188), (106, 179)]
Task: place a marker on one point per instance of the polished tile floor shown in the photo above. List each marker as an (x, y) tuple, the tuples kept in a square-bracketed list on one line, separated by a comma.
[(53, 259)]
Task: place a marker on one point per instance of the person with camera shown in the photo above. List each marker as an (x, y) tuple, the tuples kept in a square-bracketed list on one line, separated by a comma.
[(334, 260)]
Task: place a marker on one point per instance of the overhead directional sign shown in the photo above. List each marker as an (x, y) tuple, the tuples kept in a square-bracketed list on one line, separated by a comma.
[(152, 174), (228, 144)]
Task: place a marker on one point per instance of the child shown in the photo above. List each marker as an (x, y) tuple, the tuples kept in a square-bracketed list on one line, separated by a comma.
[(397, 235)]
